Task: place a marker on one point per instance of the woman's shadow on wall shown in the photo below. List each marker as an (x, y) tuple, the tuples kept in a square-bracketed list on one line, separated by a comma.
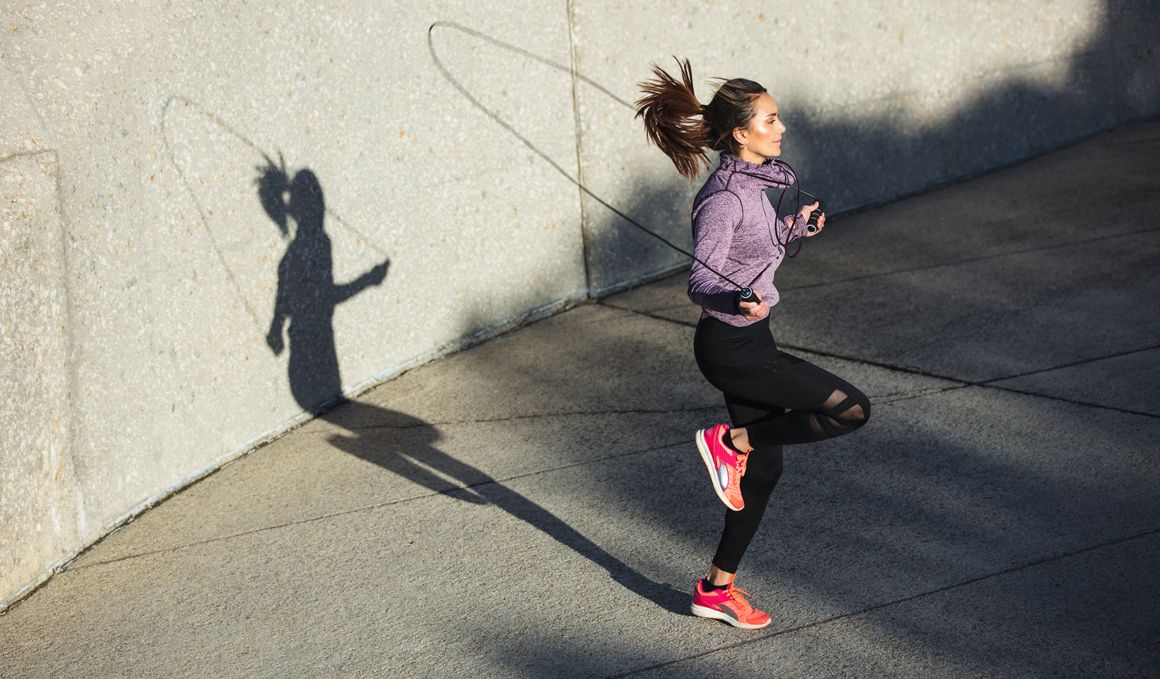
[(304, 307)]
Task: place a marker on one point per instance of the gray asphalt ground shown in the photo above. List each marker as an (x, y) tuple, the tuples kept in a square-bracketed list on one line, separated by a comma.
[(535, 506)]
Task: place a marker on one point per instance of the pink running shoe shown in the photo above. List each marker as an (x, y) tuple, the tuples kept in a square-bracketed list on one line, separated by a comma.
[(725, 466), (730, 605)]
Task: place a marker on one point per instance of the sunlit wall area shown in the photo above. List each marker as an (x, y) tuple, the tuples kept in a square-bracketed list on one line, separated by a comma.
[(881, 99), (217, 219)]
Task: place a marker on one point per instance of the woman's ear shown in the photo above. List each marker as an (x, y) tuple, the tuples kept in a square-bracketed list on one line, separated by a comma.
[(741, 136)]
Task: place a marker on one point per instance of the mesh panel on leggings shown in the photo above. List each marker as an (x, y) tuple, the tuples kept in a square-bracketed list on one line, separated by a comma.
[(841, 414)]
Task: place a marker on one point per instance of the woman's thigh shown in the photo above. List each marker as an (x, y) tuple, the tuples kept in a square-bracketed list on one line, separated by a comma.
[(801, 385), (745, 413)]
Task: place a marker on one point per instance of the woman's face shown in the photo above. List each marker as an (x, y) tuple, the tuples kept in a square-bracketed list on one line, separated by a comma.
[(762, 139)]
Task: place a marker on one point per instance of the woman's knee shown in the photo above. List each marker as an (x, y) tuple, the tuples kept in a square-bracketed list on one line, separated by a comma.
[(859, 413), (849, 408)]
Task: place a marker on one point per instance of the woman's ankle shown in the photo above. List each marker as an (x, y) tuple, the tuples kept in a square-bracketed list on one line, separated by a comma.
[(718, 577)]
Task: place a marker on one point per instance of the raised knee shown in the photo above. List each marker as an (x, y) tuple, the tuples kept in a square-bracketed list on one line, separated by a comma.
[(857, 414), (844, 412)]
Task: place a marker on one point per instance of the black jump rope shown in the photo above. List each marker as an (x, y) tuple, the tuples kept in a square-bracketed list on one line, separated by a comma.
[(746, 294)]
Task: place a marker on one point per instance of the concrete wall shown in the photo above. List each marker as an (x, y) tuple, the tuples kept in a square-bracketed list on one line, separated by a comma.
[(140, 252)]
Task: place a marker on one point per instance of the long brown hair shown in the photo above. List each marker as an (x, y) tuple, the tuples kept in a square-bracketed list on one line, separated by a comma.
[(682, 128)]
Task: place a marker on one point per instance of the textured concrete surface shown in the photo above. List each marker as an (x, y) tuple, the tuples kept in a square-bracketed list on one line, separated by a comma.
[(161, 120), (534, 506), (37, 482), (264, 206)]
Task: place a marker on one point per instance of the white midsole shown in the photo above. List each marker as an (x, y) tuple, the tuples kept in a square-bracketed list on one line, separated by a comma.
[(702, 612), (708, 458)]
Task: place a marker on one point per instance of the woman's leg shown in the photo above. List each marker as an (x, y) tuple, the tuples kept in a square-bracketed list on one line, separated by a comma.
[(821, 405), (761, 476)]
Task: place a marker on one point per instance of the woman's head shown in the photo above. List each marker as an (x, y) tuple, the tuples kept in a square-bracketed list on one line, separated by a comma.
[(740, 119)]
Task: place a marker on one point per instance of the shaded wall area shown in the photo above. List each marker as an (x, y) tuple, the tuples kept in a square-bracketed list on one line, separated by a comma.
[(218, 220)]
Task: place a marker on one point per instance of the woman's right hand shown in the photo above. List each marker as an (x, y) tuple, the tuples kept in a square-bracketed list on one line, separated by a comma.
[(754, 311), (807, 210)]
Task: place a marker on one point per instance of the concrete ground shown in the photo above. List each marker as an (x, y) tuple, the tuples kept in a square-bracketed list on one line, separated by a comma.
[(535, 507)]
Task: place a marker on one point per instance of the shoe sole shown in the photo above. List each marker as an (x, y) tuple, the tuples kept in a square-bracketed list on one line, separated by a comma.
[(708, 459), (702, 612)]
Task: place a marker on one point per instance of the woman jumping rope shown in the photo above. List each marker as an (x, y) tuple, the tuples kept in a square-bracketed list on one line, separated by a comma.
[(774, 399)]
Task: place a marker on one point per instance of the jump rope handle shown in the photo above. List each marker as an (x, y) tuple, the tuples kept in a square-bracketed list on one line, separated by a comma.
[(747, 295), (812, 224)]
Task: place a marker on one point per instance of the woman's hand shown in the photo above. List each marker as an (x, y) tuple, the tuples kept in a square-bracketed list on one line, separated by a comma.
[(804, 215), (754, 311), (821, 225)]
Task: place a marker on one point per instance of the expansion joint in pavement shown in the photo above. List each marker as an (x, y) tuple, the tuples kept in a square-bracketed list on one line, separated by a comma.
[(1081, 361), (537, 416), (450, 491), (1072, 401), (887, 604), (969, 260), (959, 383)]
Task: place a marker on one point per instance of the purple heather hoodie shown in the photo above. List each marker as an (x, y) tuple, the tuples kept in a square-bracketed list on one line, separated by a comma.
[(733, 232)]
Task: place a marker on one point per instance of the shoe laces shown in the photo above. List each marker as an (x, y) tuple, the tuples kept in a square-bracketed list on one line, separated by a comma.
[(738, 595)]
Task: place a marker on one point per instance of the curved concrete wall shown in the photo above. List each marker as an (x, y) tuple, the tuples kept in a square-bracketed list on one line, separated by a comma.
[(214, 219)]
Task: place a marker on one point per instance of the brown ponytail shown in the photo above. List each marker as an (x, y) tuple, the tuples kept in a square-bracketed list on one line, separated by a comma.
[(682, 128)]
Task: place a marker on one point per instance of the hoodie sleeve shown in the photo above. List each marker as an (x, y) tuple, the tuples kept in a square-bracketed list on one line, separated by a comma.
[(791, 233), (714, 223)]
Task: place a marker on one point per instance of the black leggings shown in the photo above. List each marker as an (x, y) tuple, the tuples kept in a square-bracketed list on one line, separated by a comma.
[(780, 400)]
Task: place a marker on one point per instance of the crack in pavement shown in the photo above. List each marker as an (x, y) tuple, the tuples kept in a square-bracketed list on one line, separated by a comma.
[(919, 394), (887, 604)]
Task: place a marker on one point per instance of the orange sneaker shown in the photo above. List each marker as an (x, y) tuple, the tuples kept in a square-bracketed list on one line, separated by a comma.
[(730, 605), (725, 466)]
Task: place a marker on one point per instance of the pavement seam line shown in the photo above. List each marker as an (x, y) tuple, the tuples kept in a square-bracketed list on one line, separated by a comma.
[(957, 262), (970, 260), (448, 491), (1082, 361), (959, 382), (534, 416), (877, 364), (1072, 401), (877, 607), (1088, 404)]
